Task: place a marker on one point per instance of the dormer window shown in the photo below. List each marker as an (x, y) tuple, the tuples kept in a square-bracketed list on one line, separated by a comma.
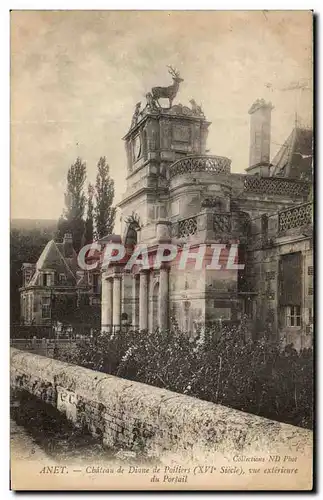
[(47, 279), (62, 278)]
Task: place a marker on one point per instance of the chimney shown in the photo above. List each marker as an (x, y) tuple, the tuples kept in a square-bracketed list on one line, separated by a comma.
[(260, 128), (27, 272), (68, 245)]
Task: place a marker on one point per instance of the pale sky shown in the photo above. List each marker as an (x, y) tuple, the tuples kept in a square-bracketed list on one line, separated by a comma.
[(77, 75)]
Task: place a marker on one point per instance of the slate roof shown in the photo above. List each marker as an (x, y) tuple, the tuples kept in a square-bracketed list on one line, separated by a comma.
[(294, 159), (52, 258)]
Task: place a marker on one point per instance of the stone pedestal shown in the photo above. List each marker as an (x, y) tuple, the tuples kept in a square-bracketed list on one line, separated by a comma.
[(163, 231), (163, 315), (106, 303), (143, 301)]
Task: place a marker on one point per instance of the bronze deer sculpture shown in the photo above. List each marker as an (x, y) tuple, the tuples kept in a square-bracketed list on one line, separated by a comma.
[(168, 92)]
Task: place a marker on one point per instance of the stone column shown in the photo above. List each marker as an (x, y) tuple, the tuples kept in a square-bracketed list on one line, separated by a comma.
[(143, 301), (151, 286), (106, 303), (163, 317), (134, 301), (117, 301)]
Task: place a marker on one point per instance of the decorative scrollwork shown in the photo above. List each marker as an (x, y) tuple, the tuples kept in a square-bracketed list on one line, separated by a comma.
[(276, 185), (298, 216), (187, 227), (211, 202), (190, 164), (222, 223)]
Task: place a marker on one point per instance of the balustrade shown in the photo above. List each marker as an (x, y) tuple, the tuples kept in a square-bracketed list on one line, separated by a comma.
[(275, 185), (191, 164), (187, 227), (298, 216)]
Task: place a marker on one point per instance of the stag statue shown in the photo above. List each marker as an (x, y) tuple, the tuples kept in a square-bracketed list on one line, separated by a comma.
[(168, 92)]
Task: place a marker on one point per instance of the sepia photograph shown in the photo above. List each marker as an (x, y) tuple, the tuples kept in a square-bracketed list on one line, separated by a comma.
[(161, 250)]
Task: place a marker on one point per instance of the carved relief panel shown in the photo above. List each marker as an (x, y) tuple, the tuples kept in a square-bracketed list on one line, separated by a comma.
[(196, 138), (181, 133), (152, 135), (166, 134)]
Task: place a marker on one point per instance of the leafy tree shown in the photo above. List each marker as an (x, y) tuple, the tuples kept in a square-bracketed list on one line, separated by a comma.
[(72, 219), (104, 194), (89, 229)]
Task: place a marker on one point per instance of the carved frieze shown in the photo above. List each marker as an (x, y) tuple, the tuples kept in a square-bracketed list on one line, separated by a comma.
[(211, 202)]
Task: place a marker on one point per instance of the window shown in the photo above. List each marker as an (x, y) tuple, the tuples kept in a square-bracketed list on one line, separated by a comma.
[(264, 224), (95, 282), (158, 211), (29, 307), (45, 307), (24, 308), (293, 316), (47, 279), (86, 300), (310, 315), (62, 278), (248, 307), (290, 280)]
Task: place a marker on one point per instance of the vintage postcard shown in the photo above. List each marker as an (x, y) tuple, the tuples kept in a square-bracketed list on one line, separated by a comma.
[(162, 250)]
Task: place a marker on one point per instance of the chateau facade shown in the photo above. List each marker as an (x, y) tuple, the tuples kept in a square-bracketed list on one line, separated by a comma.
[(177, 193), (55, 288)]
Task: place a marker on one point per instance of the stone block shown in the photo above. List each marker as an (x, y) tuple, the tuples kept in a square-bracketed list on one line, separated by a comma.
[(132, 414)]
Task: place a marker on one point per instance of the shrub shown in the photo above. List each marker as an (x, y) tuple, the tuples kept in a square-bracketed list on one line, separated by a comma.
[(259, 377)]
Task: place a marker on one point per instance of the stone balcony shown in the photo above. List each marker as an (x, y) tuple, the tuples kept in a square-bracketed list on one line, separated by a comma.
[(207, 226), (275, 185), (192, 164), (290, 223), (299, 217)]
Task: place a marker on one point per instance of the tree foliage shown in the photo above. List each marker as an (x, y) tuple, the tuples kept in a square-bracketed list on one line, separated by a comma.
[(104, 194), (72, 220), (89, 222)]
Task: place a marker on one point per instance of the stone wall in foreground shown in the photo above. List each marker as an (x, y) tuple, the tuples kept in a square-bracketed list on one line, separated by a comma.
[(132, 416)]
